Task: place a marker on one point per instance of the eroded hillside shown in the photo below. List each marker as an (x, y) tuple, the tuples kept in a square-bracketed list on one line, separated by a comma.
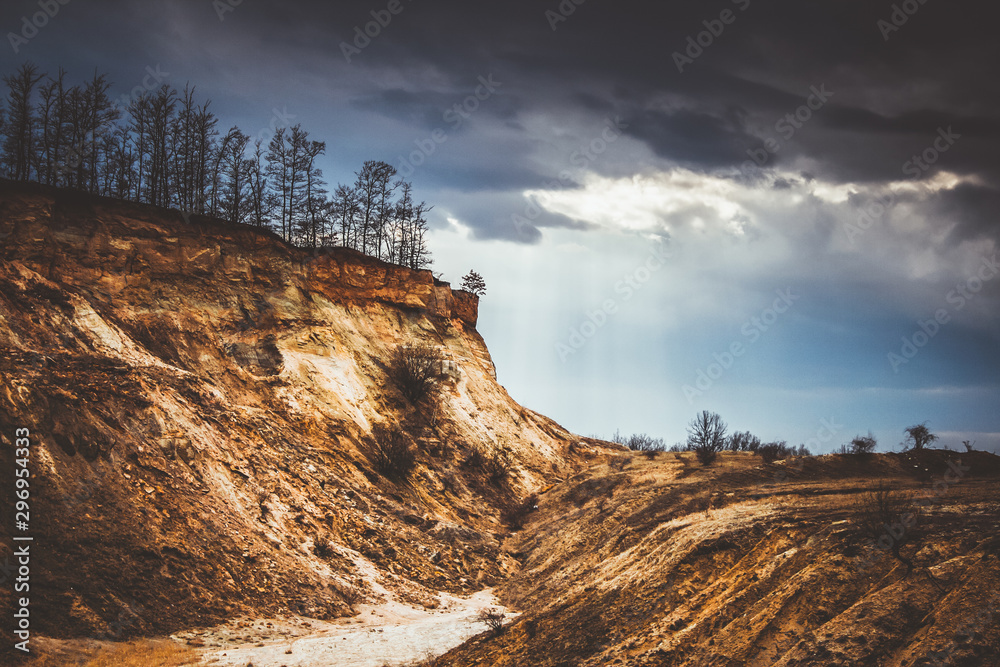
[(201, 399), (657, 560)]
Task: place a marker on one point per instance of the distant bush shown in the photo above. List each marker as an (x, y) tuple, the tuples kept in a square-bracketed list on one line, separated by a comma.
[(863, 444), (707, 436), (350, 595), (493, 618), (495, 463), (263, 495), (498, 464), (743, 442), (773, 451), (394, 456), (322, 547), (640, 442), (416, 370)]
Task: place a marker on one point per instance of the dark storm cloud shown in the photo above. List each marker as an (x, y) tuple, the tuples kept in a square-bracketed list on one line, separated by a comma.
[(452, 111), (890, 95), (694, 139), (975, 211)]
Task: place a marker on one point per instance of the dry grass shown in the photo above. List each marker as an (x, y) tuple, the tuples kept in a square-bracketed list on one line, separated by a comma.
[(143, 653), (137, 653)]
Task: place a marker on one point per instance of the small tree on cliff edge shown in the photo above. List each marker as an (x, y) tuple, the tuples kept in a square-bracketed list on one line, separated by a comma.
[(473, 283)]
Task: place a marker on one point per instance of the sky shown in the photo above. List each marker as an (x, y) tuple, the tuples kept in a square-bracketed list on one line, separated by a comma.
[(783, 212)]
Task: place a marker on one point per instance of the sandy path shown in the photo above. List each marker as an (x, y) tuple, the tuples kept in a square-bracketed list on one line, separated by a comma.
[(390, 633)]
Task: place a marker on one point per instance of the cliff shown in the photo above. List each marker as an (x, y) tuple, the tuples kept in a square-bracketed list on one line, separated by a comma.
[(201, 399)]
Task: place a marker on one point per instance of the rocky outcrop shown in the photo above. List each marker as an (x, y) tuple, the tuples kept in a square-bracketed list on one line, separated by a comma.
[(466, 307), (78, 240)]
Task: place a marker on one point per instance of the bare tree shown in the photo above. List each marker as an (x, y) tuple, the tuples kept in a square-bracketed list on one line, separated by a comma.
[(641, 442), (259, 210), (374, 190), (185, 154), (163, 148), (346, 216), (205, 132), (313, 216), (415, 253), (99, 118), (287, 159), (19, 134), (707, 436), (235, 176), (161, 111), (51, 118), (139, 129)]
